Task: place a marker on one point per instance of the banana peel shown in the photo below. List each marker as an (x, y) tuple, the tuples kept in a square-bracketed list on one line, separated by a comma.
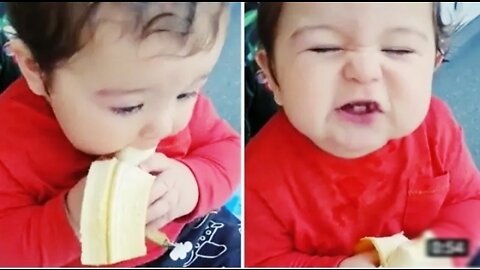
[(384, 246)]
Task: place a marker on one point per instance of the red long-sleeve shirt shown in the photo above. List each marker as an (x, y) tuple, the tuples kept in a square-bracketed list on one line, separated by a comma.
[(38, 165), (305, 207)]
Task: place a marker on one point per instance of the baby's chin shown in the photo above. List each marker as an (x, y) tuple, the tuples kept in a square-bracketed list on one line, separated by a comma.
[(350, 147), (355, 151)]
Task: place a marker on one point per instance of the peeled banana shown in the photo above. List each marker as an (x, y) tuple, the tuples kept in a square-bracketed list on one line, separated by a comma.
[(414, 254), (398, 251), (383, 245), (114, 209)]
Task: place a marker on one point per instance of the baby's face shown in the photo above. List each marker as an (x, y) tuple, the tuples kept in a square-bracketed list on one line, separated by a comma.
[(118, 92), (352, 76)]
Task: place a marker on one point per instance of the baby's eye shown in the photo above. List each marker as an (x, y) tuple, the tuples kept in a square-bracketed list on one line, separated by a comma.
[(325, 49), (185, 96), (127, 110), (398, 51)]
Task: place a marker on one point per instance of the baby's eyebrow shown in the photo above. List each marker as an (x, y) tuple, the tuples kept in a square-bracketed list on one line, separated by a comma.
[(407, 30), (326, 27), (307, 28), (119, 91), (108, 92)]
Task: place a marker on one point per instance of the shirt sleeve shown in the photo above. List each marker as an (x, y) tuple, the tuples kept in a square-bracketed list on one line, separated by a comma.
[(33, 233), (214, 158), (267, 241)]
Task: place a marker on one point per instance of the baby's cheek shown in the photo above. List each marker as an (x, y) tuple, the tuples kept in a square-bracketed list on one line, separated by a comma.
[(182, 118), (411, 114), (307, 116), (103, 139), (180, 125)]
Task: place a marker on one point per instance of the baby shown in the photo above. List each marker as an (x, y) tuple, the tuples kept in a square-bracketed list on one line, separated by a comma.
[(360, 147), (98, 78)]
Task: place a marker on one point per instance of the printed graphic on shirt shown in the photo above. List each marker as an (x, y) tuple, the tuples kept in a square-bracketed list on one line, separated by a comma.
[(206, 247)]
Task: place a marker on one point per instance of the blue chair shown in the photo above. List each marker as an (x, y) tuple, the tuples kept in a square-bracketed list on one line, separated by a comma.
[(457, 82)]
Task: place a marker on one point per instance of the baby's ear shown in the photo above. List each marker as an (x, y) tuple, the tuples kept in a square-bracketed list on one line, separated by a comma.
[(439, 60), (263, 62), (28, 66)]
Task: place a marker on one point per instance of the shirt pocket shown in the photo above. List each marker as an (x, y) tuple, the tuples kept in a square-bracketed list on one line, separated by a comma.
[(425, 197)]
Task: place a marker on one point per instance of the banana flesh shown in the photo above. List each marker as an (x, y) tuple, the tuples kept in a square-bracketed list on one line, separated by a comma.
[(114, 209)]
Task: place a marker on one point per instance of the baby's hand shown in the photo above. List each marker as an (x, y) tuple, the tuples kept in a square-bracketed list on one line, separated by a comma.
[(73, 204), (174, 192), (367, 259)]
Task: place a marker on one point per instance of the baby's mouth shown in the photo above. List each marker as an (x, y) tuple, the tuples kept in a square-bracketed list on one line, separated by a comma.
[(361, 107)]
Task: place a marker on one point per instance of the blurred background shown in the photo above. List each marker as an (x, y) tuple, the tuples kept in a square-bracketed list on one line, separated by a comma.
[(458, 80), (223, 86)]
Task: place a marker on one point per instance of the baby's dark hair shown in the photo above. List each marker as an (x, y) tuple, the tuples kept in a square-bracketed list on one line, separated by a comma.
[(55, 31), (269, 15)]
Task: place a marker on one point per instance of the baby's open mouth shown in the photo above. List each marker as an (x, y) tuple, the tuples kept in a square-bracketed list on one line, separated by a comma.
[(361, 107)]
